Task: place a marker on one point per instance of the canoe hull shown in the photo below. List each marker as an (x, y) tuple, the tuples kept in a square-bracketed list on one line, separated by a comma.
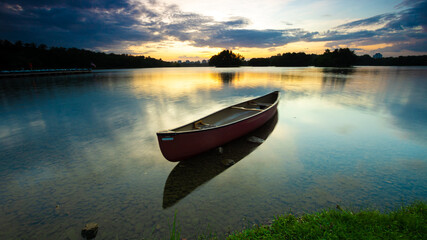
[(179, 146)]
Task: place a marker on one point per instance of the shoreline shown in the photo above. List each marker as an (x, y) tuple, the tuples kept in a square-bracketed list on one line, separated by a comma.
[(43, 72), (406, 222)]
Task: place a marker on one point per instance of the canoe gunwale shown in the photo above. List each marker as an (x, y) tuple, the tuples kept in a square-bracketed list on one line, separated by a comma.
[(171, 132)]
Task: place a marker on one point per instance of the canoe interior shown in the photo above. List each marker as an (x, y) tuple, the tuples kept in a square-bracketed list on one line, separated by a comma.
[(232, 114)]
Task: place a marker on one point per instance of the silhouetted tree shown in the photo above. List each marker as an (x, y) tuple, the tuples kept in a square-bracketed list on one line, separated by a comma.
[(342, 57), (260, 62), (226, 58), (291, 59)]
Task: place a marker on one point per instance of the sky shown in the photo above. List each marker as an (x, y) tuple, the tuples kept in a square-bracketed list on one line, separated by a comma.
[(195, 30)]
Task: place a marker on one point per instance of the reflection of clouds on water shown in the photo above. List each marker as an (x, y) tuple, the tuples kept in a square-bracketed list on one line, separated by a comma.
[(345, 129), (408, 106), (411, 118), (383, 90), (402, 95)]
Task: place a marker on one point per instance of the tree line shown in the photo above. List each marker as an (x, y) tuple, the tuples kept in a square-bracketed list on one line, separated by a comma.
[(342, 57), (18, 55)]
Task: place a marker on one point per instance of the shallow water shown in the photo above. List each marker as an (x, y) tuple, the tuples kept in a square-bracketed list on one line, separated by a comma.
[(82, 148)]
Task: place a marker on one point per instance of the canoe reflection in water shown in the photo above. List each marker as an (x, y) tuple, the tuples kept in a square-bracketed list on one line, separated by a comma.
[(193, 172)]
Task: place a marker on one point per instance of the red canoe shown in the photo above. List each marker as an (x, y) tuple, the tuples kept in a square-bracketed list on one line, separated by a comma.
[(218, 128)]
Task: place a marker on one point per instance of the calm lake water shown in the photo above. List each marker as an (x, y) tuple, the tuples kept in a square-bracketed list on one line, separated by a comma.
[(82, 148)]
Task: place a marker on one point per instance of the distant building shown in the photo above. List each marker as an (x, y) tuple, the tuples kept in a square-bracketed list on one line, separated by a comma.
[(204, 62), (378, 56)]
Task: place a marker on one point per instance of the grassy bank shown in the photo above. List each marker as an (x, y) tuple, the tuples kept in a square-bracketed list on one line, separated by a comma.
[(408, 222)]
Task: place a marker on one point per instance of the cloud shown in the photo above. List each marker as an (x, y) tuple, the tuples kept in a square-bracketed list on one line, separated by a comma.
[(254, 38), (88, 24), (379, 19), (115, 24), (203, 31), (413, 16), (404, 30), (412, 45), (347, 36), (105, 24)]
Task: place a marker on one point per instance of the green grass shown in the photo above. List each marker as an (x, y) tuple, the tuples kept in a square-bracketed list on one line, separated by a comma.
[(408, 222), (175, 230)]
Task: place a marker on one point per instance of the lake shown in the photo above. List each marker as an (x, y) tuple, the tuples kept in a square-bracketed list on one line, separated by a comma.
[(82, 148)]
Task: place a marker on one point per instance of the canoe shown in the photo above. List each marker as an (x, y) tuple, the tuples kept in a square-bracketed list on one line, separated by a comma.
[(195, 171), (217, 128)]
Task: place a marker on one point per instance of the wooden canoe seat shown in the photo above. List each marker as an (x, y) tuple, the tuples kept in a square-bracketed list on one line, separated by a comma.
[(247, 109), (259, 104), (200, 125)]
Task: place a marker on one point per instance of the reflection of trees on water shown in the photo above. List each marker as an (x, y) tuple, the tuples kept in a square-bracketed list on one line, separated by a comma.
[(291, 77), (227, 77), (335, 78), (343, 71), (192, 173)]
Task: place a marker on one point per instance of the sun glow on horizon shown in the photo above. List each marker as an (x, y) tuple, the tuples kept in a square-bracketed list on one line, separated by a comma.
[(173, 51), (176, 50)]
